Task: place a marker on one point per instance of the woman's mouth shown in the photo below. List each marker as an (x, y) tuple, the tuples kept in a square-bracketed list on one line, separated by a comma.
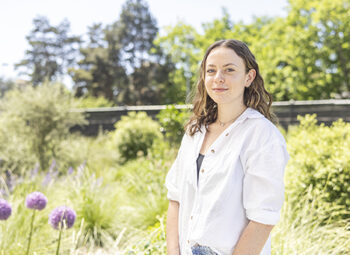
[(219, 90)]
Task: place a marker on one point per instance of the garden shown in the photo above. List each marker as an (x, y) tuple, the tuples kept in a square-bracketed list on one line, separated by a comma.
[(64, 193)]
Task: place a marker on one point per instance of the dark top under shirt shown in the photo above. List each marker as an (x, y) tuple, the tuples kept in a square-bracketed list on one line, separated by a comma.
[(199, 163)]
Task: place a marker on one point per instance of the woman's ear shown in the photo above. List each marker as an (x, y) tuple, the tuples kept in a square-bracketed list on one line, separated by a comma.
[(250, 76)]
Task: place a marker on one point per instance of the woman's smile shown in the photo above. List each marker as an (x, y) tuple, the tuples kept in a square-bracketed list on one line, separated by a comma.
[(219, 90)]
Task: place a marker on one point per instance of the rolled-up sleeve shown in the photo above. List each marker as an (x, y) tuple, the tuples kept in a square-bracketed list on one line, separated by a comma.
[(172, 180), (263, 185)]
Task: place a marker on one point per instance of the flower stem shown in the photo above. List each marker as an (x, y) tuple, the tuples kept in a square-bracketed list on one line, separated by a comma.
[(31, 232), (59, 241)]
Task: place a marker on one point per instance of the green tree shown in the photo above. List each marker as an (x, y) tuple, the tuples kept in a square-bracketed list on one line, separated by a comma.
[(147, 66), (121, 62), (331, 18), (99, 72), (148, 84), (218, 29), (136, 29), (5, 86), (179, 42), (33, 121), (303, 55), (52, 51)]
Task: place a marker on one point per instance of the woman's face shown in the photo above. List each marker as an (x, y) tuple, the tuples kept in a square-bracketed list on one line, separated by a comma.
[(226, 77)]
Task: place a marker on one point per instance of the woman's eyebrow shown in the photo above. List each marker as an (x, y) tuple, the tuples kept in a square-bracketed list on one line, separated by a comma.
[(228, 64)]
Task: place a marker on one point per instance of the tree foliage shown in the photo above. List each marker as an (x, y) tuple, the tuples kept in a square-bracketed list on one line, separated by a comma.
[(121, 61), (5, 86), (51, 51), (33, 123), (148, 66), (99, 72), (136, 29), (179, 43), (302, 56)]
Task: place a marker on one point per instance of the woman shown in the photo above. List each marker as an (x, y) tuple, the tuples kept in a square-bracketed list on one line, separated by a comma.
[(225, 188)]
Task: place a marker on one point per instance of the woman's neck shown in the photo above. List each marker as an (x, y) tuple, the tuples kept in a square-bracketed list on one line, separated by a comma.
[(228, 113)]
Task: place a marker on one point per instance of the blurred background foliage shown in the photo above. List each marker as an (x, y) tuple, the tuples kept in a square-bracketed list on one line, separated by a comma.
[(321, 162), (303, 56), (35, 120), (134, 134), (172, 121)]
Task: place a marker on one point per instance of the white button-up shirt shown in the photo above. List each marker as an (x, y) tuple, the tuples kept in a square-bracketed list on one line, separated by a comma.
[(241, 179)]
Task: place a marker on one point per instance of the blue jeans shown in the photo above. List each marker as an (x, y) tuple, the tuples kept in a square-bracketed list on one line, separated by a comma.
[(202, 250)]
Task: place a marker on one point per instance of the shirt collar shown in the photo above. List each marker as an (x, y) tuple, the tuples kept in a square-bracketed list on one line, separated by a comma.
[(249, 113)]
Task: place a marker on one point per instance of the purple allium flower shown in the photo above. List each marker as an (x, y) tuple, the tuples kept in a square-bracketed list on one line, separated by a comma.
[(64, 215), (36, 201), (5, 209)]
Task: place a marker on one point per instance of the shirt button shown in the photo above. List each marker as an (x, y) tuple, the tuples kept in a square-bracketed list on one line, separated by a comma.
[(213, 151), (191, 217), (227, 134), (202, 170)]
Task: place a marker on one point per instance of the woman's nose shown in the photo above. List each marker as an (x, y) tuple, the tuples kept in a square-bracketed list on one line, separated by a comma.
[(219, 77)]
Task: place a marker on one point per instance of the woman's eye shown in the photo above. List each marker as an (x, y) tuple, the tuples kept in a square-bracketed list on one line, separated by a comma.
[(230, 70), (210, 70)]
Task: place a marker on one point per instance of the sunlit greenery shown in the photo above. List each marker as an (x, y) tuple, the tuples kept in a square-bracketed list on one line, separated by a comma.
[(121, 208)]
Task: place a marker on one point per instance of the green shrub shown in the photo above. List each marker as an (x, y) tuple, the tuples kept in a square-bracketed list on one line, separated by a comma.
[(145, 202), (172, 121), (93, 102), (77, 149), (134, 135), (320, 159), (96, 205), (152, 241), (35, 120), (145, 197), (301, 230)]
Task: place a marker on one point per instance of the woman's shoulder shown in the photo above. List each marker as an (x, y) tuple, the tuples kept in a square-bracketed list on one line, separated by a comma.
[(262, 129)]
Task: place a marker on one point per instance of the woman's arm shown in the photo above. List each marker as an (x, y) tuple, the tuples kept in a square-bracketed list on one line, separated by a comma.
[(172, 236), (253, 239)]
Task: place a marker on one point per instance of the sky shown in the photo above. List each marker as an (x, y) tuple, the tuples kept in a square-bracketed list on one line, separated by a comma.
[(16, 18)]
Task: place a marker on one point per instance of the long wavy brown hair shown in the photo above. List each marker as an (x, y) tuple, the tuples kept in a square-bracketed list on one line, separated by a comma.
[(255, 96)]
